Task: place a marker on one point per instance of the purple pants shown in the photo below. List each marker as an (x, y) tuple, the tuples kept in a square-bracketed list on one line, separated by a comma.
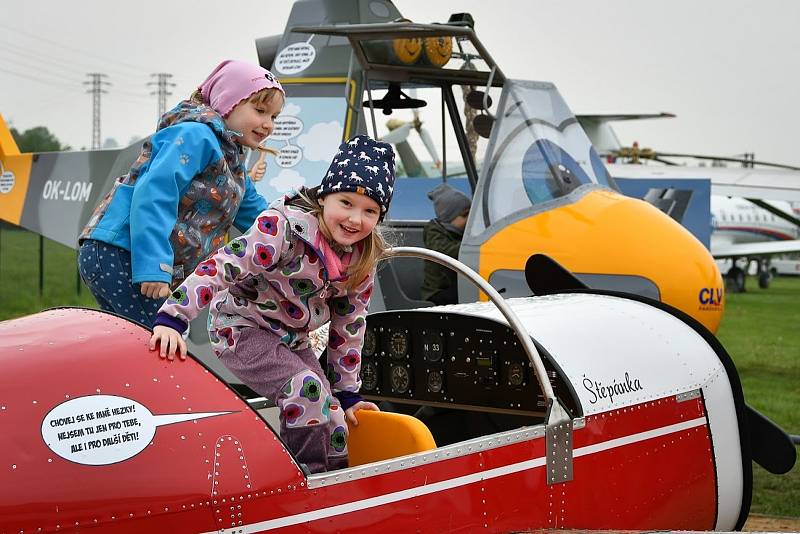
[(312, 421)]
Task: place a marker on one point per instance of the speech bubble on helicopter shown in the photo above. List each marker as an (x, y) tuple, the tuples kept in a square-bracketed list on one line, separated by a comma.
[(289, 156), (105, 429), (286, 127), (295, 58)]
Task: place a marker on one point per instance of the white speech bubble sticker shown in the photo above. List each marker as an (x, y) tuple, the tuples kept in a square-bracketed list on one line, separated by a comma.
[(104, 429), (286, 127), (289, 156), (295, 58), (7, 182)]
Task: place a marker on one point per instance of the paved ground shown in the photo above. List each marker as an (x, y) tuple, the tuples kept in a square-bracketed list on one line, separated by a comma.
[(762, 523)]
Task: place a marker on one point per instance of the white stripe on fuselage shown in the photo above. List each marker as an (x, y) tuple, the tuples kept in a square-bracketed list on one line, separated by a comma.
[(444, 485)]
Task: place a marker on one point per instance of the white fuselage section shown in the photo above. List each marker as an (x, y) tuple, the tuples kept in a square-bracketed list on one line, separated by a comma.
[(736, 220)]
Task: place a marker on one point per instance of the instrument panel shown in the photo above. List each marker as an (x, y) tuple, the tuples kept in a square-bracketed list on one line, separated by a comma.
[(452, 359)]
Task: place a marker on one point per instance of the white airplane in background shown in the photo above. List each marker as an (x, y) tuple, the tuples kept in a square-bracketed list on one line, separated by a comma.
[(740, 229), (751, 214)]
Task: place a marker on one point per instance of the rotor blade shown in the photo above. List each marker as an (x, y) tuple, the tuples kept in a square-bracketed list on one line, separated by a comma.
[(775, 211), (398, 135), (732, 160), (664, 161), (427, 140)]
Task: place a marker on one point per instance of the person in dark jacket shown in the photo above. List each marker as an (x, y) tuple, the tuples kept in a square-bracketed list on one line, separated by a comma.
[(443, 234)]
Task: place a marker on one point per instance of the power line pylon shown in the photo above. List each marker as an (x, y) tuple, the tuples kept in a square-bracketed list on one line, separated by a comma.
[(96, 82), (162, 84)]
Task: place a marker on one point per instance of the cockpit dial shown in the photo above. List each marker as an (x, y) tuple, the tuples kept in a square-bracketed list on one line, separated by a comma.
[(370, 343), (433, 345), (400, 379), (516, 374), (369, 376), (435, 381), (398, 345)]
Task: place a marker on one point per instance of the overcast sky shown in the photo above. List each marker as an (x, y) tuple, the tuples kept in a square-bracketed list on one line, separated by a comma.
[(729, 69)]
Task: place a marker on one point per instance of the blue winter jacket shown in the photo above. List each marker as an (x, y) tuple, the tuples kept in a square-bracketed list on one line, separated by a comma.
[(180, 198)]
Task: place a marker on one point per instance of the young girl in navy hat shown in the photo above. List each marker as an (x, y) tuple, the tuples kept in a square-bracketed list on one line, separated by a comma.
[(309, 259), (183, 193)]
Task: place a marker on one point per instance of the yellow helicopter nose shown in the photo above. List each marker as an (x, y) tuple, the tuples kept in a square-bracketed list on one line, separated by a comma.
[(612, 242)]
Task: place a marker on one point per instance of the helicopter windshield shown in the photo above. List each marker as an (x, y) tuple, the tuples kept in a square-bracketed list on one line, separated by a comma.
[(538, 154)]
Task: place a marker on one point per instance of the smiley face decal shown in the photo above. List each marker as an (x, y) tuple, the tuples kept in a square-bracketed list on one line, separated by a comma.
[(438, 50), (407, 51)]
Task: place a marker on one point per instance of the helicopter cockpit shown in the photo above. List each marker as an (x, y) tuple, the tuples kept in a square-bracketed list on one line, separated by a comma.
[(538, 155), (406, 66)]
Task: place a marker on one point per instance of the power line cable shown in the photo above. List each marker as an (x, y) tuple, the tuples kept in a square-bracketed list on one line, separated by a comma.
[(29, 66), (60, 82), (38, 80), (51, 61), (139, 69), (33, 58)]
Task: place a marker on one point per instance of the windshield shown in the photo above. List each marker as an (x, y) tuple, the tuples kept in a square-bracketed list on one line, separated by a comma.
[(538, 153)]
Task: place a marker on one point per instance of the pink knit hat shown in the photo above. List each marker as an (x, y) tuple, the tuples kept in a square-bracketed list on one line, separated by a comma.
[(233, 81)]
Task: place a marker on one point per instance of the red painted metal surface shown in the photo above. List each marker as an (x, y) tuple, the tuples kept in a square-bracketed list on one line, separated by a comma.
[(230, 470), (56, 356)]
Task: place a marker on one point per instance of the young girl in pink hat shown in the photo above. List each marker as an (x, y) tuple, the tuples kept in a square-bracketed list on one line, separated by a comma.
[(183, 193)]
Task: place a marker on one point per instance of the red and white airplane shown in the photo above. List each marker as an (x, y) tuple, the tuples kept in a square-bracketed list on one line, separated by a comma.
[(575, 409)]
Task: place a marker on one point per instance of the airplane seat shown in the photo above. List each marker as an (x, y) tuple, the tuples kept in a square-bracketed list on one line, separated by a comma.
[(394, 290), (401, 278), (386, 435)]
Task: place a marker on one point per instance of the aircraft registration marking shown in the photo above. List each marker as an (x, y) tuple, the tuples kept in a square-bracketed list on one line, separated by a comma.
[(444, 485)]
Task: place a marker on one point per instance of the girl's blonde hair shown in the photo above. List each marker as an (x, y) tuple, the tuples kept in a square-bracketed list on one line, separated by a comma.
[(261, 97), (375, 246)]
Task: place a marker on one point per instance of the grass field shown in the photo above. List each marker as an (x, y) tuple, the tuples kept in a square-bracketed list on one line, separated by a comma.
[(19, 275), (760, 330)]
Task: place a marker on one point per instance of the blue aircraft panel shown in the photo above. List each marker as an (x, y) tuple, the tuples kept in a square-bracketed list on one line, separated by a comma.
[(410, 200)]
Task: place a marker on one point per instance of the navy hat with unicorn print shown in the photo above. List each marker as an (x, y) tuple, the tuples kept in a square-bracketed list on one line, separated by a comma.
[(365, 166)]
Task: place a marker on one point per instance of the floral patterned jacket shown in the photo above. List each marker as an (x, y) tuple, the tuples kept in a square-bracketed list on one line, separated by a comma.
[(276, 279)]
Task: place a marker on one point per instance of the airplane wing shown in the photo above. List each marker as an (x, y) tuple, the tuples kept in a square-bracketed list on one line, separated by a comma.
[(755, 249), (759, 183)]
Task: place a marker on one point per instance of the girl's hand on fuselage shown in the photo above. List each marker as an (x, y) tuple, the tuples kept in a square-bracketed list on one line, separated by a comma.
[(155, 290), (350, 413), (170, 341)]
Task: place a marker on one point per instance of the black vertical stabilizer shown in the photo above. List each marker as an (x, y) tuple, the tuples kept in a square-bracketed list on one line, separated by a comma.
[(546, 276), (770, 446)]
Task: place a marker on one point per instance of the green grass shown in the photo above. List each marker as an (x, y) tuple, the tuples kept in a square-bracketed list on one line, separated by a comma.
[(760, 330), (19, 275)]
